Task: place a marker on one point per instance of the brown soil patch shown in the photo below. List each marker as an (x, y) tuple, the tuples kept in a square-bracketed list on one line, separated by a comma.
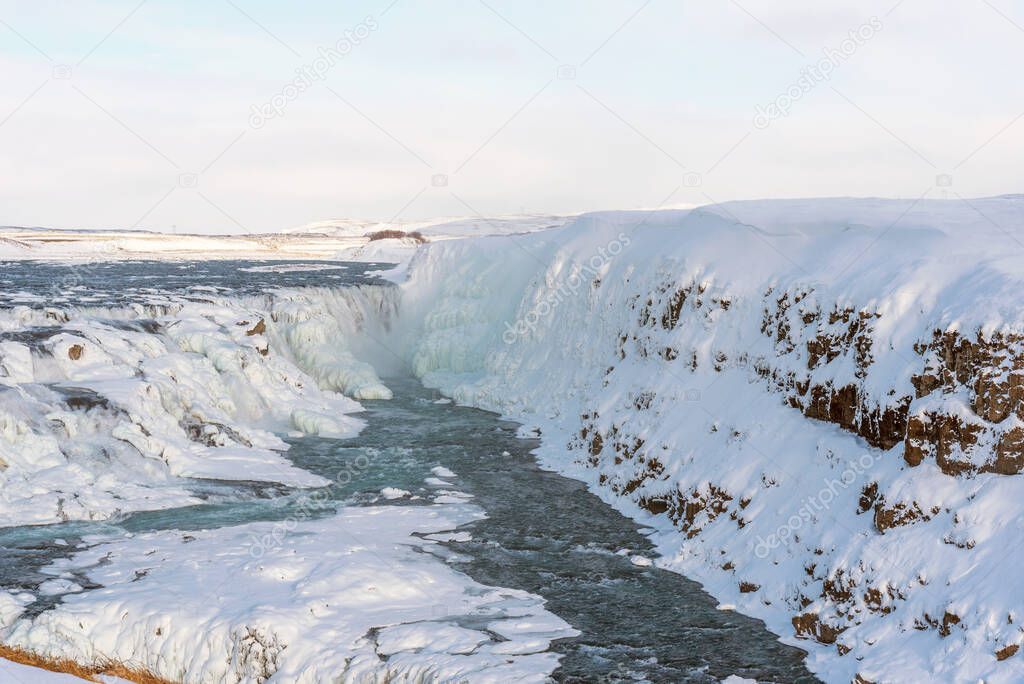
[(89, 673)]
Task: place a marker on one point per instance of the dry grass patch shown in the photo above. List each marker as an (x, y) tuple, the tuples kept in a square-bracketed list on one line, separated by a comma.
[(392, 234), (89, 673)]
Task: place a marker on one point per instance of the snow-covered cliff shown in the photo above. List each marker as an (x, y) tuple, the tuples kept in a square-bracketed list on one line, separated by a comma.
[(818, 404)]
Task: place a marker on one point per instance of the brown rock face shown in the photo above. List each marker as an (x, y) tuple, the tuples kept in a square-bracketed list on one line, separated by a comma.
[(991, 371), (1007, 651), (897, 515), (257, 329), (883, 427), (686, 511), (808, 625), (841, 333), (75, 352), (988, 370), (996, 396), (654, 505), (948, 439), (1009, 458), (868, 497), (948, 621)]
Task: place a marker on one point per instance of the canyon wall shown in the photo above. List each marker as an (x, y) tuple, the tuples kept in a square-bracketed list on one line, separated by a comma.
[(816, 406)]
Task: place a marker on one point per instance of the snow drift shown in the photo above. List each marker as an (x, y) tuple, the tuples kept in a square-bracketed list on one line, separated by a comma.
[(362, 596), (819, 405)]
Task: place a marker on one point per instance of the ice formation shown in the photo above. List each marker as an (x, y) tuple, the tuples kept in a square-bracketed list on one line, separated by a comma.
[(105, 411)]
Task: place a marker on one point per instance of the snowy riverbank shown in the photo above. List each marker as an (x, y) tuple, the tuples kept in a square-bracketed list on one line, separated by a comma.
[(815, 402)]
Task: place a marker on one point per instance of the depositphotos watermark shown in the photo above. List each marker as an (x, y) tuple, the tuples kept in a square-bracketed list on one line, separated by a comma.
[(811, 76), (820, 502), (308, 74), (309, 507), (569, 287)]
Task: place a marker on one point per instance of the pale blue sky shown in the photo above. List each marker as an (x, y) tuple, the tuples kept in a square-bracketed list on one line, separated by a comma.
[(108, 108)]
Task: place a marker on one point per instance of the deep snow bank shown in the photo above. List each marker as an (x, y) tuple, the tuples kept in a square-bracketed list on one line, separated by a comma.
[(104, 411), (818, 404), (361, 596)]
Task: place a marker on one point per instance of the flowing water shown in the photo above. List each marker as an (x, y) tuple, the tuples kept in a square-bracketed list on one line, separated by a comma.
[(544, 534), (114, 283)]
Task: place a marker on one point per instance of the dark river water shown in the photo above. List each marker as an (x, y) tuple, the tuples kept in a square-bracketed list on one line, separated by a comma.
[(120, 283), (544, 534), (548, 535)]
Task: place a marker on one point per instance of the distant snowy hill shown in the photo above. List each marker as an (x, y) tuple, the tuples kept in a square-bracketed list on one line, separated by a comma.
[(341, 239), (440, 228)]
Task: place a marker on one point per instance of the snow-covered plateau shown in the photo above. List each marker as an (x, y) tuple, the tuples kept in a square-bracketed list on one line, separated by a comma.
[(816, 405), (349, 240)]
